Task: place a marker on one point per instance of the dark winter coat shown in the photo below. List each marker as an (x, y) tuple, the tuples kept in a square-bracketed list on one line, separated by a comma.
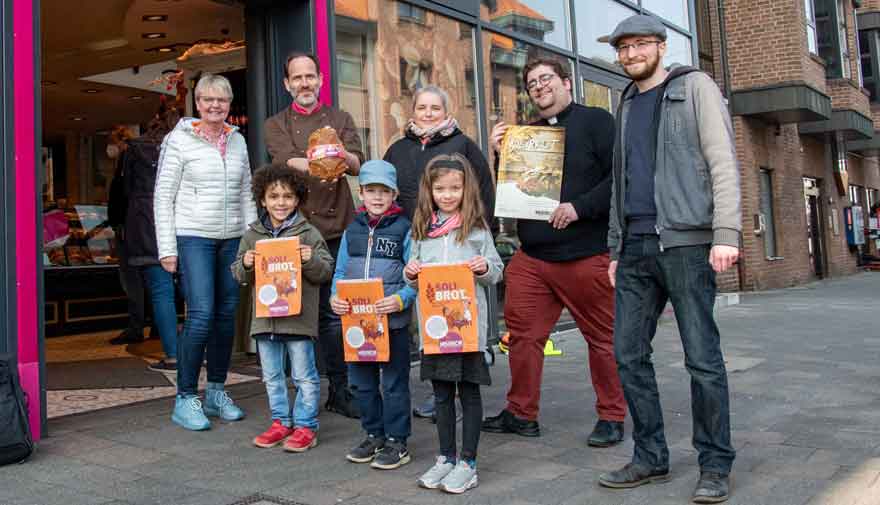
[(139, 165), (410, 157)]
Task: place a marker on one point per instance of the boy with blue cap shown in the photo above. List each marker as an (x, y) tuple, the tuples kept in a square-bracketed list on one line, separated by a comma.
[(377, 245)]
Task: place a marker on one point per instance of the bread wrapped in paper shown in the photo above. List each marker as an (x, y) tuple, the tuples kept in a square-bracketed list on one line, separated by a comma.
[(325, 154)]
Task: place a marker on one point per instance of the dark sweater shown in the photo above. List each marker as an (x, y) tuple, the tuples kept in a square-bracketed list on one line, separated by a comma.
[(410, 158), (641, 212), (586, 184)]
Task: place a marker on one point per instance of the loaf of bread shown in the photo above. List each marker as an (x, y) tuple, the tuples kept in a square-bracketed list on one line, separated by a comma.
[(324, 153)]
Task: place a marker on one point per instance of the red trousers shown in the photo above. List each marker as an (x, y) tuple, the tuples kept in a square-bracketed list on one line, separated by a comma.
[(536, 292)]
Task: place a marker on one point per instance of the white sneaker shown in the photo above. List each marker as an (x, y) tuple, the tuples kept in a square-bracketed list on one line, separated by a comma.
[(460, 479), (432, 478)]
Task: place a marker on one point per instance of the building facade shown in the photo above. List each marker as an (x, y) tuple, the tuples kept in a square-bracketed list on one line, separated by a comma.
[(802, 94)]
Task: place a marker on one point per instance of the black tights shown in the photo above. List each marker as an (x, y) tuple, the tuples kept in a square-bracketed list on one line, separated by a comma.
[(472, 412)]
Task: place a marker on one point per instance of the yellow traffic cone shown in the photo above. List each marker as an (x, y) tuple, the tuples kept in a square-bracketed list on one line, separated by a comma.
[(504, 343), (551, 350)]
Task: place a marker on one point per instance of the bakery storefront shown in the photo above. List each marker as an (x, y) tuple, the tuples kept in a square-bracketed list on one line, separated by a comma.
[(84, 76)]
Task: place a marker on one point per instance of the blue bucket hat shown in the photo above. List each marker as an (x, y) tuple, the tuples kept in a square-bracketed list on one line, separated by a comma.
[(378, 172)]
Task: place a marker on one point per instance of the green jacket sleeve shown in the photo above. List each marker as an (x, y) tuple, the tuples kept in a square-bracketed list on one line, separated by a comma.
[(244, 276)]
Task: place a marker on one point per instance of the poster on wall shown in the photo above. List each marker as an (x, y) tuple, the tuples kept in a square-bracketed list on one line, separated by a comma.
[(530, 172)]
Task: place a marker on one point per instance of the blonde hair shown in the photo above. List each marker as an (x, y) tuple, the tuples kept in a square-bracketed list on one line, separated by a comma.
[(471, 207), (213, 81)]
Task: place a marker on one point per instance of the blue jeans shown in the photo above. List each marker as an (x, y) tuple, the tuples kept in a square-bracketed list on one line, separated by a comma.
[(305, 377), (646, 279), (388, 413), (211, 299), (161, 286)]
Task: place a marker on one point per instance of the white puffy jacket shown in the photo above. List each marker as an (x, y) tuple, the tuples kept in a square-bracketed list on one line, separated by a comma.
[(198, 192)]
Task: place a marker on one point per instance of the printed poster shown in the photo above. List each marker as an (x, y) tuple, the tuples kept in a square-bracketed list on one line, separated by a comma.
[(364, 332), (530, 172), (278, 275), (448, 309)]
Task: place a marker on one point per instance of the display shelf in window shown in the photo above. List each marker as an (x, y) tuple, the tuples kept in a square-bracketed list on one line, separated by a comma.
[(78, 236)]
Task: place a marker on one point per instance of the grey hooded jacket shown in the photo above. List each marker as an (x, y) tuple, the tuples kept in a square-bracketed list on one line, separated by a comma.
[(696, 177)]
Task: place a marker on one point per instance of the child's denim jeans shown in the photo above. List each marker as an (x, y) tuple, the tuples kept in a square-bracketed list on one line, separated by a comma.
[(304, 374)]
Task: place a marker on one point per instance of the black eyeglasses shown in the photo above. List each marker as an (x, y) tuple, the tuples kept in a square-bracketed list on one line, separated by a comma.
[(543, 79)]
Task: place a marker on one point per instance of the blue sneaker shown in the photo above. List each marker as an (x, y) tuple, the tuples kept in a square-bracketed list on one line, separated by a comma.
[(188, 413), (219, 404)]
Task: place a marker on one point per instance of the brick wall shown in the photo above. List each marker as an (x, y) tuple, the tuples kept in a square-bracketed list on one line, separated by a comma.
[(847, 94), (760, 56)]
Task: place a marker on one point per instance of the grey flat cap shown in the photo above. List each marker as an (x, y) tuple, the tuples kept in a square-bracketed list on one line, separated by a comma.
[(638, 24)]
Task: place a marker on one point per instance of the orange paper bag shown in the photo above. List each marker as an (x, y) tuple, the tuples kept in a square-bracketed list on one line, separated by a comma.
[(278, 277), (365, 333), (448, 309)]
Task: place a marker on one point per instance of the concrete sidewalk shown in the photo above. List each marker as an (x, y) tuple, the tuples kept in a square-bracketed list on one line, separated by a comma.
[(804, 368)]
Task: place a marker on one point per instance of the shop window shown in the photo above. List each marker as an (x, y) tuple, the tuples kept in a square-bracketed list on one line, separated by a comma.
[(675, 11), (412, 13), (831, 35), (678, 49), (595, 19), (382, 61), (598, 95), (510, 100), (767, 217), (544, 20)]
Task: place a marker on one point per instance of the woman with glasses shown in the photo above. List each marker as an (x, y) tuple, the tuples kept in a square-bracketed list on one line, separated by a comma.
[(202, 205)]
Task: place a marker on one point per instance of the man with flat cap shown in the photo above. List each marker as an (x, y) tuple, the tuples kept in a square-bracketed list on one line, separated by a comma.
[(675, 223)]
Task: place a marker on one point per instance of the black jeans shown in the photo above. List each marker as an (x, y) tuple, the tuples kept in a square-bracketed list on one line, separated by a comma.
[(646, 278), (472, 417), (329, 342)]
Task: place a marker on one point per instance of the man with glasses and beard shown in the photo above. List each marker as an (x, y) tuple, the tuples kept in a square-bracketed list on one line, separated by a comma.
[(563, 262), (329, 206), (675, 223)]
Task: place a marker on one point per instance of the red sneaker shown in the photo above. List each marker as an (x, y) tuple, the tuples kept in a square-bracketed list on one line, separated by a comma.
[(273, 436), (302, 440)]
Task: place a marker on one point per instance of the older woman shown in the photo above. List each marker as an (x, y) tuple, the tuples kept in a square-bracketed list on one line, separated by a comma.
[(203, 203), (431, 131)]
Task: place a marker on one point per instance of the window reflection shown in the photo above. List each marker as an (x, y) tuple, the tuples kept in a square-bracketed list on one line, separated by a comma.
[(678, 49), (596, 19), (385, 50), (509, 100), (544, 20), (675, 11)]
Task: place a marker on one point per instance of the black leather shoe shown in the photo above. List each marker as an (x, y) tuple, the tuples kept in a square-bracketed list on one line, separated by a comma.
[(633, 475), (606, 434), (506, 422), (712, 488)]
